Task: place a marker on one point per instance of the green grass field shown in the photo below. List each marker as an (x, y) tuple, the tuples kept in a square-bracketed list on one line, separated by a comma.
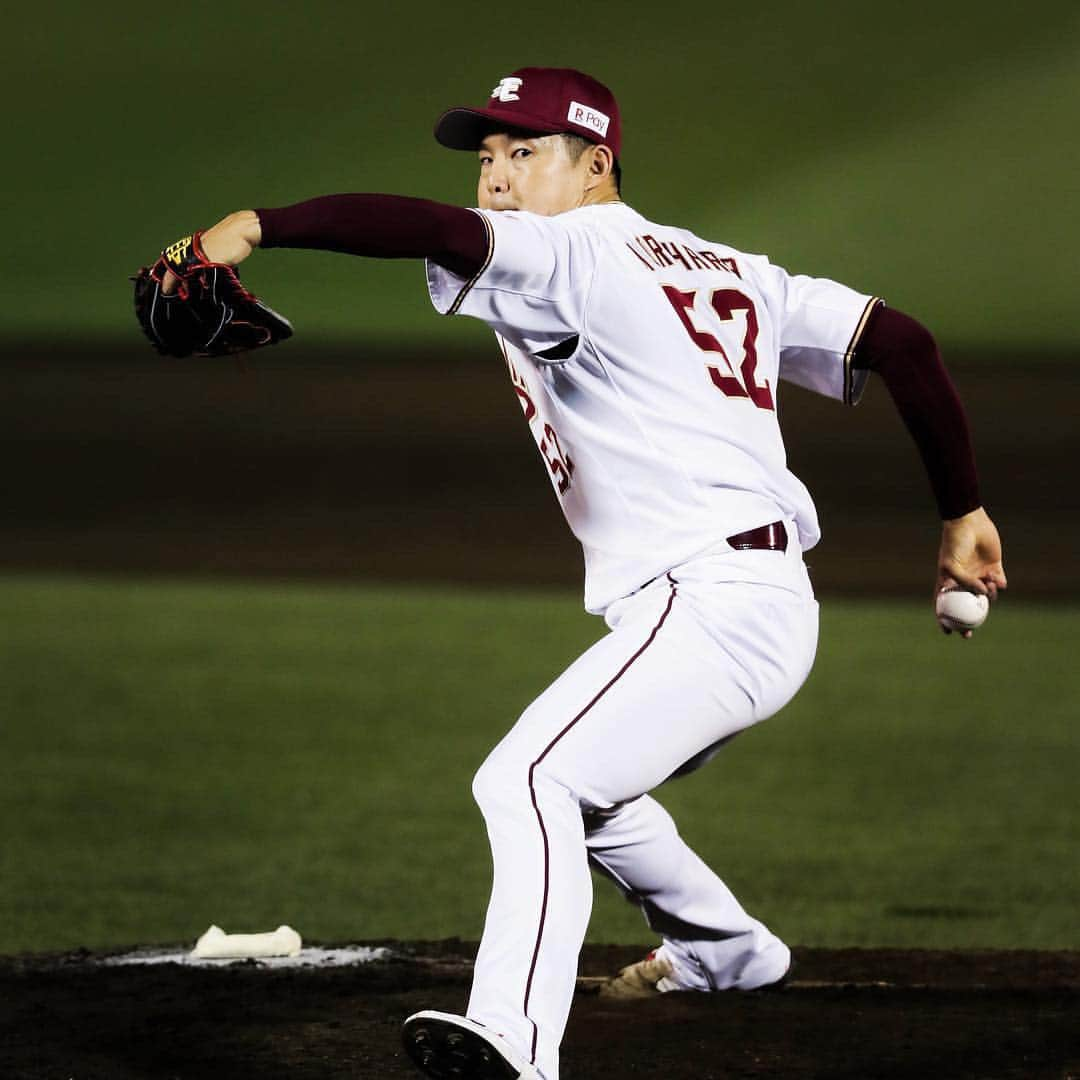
[(178, 754)]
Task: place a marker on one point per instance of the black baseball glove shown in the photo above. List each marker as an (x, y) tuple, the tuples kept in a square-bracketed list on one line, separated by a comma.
[(209, 314)]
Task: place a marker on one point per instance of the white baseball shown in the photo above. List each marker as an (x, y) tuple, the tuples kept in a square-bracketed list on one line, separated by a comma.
[(960, 609)]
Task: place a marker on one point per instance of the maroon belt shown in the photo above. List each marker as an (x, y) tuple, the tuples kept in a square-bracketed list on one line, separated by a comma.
[(764, 538)]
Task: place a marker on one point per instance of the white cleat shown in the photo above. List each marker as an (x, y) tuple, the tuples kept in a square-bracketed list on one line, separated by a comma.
[(450, 1047)]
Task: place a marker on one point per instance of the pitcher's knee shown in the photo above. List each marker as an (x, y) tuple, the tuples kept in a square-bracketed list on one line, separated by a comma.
[(510, 775), (502, 780), (485, 785)]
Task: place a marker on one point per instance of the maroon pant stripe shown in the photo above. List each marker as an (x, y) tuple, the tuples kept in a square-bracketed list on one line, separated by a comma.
[(540, 818)]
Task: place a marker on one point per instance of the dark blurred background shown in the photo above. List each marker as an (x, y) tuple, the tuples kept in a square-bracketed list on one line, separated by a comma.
[(413, 466)]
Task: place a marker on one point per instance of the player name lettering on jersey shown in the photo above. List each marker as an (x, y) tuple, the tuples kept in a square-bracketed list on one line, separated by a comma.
[(659, 254)]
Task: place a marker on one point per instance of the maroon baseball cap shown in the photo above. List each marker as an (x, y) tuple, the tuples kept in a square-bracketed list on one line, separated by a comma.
[(538, 99)]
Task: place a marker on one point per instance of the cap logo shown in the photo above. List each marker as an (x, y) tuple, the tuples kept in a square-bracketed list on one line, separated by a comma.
[(590, 118), (508, 88)]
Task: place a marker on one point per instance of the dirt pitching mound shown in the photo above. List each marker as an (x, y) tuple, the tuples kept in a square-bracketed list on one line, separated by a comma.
[(853, 1013)]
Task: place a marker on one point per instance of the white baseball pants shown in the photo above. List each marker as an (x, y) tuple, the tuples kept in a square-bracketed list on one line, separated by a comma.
[(716, 645)]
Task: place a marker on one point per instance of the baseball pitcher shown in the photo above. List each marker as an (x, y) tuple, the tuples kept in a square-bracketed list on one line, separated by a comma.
[(647, 361)]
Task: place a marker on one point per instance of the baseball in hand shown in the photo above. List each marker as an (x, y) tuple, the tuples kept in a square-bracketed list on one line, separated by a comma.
[(960, 609)]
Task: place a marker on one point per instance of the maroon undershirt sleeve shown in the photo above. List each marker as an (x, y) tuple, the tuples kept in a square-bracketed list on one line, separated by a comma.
[(382, 226), (903, 352)]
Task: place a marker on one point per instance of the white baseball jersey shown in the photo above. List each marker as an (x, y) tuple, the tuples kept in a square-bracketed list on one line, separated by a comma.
[(646, 360)]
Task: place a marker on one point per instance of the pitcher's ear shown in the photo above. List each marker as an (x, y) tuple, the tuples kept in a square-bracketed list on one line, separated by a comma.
[(603, 161)]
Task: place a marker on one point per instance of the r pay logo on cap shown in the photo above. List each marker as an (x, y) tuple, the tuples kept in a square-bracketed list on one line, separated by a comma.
[(507, 89), (590, 118)]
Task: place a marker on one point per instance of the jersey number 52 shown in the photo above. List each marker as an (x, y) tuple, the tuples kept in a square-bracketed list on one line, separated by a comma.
[(724, 303)]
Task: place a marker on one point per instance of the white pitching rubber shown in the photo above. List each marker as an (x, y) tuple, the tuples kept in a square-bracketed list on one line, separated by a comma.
[(215, 944)]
